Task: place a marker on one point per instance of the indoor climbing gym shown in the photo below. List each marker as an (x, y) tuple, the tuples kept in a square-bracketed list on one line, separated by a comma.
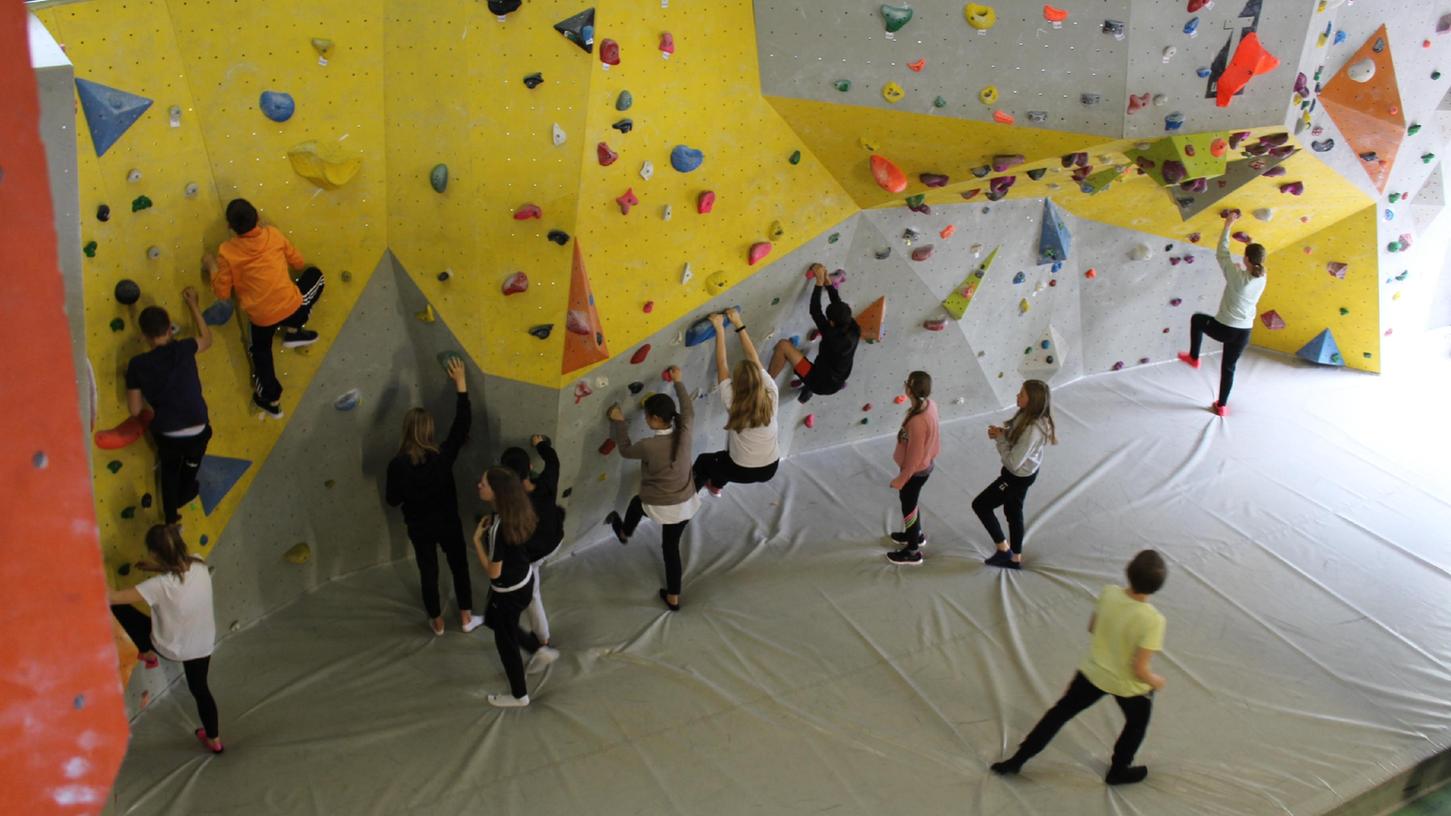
[(726, 407)]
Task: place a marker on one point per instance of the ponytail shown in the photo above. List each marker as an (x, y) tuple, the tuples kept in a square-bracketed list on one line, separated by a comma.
[(167, 548), (919, 388)]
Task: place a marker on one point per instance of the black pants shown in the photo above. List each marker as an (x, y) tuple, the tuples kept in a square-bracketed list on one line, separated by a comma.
[(911, 519), (178, 459), (1008, 492), (1080, 695), (138, 627), (264, 377), (502, 615), (719, 470), (670, 535), (427, 539), (1235, 341)]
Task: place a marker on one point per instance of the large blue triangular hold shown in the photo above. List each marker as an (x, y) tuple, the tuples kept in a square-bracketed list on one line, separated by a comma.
[(1322, 350), (216, 477), (1054, 240), (109, 112)]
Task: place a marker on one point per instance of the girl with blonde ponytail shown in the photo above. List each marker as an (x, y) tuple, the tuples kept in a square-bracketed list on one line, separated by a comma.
[(750, 395)]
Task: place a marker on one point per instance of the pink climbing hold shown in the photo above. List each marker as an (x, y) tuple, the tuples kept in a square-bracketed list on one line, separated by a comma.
[(527, 212), (759, 250), (667, 43), (627, 201), (1272, 320), (577, 322), (640, 354), (900, 399), (649, 306), (705, 202), (609, 52), (516, 283), (1138, 102), (1293, 188), (810, 421), (1194, 237), (607, 156), (1275, 172), (922, 253), (581, 390), (935, 325)]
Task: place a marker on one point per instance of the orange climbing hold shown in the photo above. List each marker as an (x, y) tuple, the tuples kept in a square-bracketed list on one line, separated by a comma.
[(1249, 61), (1004, 118), (948, 231), (888, 175), (582, 348), (916, 67), (1056, 16), (871, 318), (125, 433)]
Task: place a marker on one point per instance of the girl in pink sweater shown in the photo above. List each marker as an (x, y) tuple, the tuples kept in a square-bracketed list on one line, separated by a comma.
[(917, 447)]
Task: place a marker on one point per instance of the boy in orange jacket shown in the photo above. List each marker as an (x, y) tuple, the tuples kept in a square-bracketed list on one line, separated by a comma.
[(255, 264)]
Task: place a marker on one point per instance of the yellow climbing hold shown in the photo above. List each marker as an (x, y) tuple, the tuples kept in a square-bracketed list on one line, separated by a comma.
[(980, 17), (325, 164), (427, 315), (988, 95), (777, 232), (299, 553), (892, 92), (717, 283), (868, 145), (1023, 306)]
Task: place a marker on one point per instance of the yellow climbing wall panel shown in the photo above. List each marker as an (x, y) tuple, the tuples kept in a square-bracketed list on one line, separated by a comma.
[(213, 62), (1309, 299)]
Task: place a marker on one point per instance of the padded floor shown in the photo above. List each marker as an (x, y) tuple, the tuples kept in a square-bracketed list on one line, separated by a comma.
[(1307, 653)]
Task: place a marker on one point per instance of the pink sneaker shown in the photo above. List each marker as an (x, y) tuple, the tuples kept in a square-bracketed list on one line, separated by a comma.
[(1219, 410), (1192, 362), (213, 745)]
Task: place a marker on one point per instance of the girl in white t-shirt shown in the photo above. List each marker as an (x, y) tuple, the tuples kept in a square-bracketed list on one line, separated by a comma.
[(749, 394), (181, 625)]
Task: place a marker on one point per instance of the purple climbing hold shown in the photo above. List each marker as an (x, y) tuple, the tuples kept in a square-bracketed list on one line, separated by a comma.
[(1002, 162), (1173, 171), (516, 283), (934, 179), (1293, 188)]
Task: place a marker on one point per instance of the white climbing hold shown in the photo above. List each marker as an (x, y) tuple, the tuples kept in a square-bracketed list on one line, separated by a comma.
[(1160, 100), (1264, 213), (602, 382), (153, 252), (647, 170), (133, 176), (1361, 71), (666, 212), (1169, 52), (686, 275), (558, 134), (191, 190), (1141, 252), (175, 113)]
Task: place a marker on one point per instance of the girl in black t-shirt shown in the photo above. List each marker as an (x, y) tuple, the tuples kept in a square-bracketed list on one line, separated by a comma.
[(499, 542)]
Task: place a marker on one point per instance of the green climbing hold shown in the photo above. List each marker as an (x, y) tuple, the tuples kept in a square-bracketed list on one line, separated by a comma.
[(114, 465), (438, 177), (1394, 197), (117, 324), (624, 101), (865, 420), (795, 157), (833, 238), (1413, 130), (1435, 74), (1427, 158), (915, 201), (775, 301), (141, 203), (843, 85), (128, 512), (895, 17), (1344, 311), (939, 102), (90, 249)]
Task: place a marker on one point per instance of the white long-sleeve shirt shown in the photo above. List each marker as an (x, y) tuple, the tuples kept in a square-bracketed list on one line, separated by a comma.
[(1023, 458), (1241, 290)]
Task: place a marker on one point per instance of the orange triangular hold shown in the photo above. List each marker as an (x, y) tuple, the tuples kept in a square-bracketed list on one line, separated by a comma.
[(1250, 60), (870, 319), (584, 339), (1369, 113)]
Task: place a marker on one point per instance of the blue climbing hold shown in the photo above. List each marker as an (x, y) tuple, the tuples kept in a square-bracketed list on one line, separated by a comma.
[(217, 476), (218, 313), (1192, 27), (701, 331), (1174, 121), (1053, 238), (1204, 72), (1322, 350), (276, 105), (685, 159), (348, 400), (1019, 278), (1339, 37), (109, 112)]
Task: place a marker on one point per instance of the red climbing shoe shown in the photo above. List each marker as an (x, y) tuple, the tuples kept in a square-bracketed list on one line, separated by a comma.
[(1219, 410), (213, 745), (1192, 362)]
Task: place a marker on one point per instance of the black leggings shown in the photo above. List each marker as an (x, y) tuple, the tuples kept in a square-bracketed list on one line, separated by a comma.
[(670, 535), (178, 460), (502, 615), (448, 535), (1080, 695), (911, 519), (1235, 341), (1008, 492), (264, 374), (138, 627), (719, 470)]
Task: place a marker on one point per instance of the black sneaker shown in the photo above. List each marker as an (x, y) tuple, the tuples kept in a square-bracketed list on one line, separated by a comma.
[(618, 525), (905, 557), (901, 538), (1006, 767), (1126, 776), (665, 598), (998, 557), (271, 409), (805, 395), (298, 338)]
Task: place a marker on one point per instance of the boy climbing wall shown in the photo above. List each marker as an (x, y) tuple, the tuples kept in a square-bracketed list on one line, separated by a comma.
[(255, 264), (839, 337)]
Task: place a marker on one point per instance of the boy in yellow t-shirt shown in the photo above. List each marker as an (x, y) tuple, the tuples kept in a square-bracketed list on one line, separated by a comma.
[(1127, 631)]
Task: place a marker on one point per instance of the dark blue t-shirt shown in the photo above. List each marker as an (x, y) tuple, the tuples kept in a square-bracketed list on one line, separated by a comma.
[(166, 376)]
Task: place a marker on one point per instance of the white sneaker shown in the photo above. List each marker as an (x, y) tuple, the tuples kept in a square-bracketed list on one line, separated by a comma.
[(541, 659), (508, 701), (475, 622)]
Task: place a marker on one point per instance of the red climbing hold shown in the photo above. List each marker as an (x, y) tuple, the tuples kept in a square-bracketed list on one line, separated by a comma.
[(888, 175), (627, 201), (948, 231), (1195, 6), (1091, 273), (935, 325), (1004, 118), (705, 202), (516, 283), (640, 354), (759, 250), (606, 155), (810, 421), (1250, 60), (1138, 103), (527, 212), (125, 433), (581, 390), (900, 399), (649, 306), (667, 43), (607, 447), (609, 52), (916, 67), (1194, 237), (922, 253), (665, 375), (867, 407), (1056, 16)]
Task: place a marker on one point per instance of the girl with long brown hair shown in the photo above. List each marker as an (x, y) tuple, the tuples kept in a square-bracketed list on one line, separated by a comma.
[(750, 395), (499, 542), (918, 445), (1231, 325), (1020, 445), (420, 478), (181, 626)]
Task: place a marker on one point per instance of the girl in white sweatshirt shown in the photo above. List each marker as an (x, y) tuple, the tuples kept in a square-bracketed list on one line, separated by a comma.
[(1020, 444)]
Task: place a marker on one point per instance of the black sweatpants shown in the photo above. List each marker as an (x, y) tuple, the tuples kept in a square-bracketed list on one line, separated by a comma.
[(178, 460), (427, 539), (719, 470), (911, 519), (670, 535), (502, 615), (138, 627), (1080, 695), (1235, 342), (1008, 492), (264, 376)]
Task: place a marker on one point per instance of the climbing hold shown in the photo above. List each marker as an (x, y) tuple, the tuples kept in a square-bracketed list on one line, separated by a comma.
[(1322, 349), (556, 134), (717, 283), (528, 211), (1203, 72), (140, 203), (842, 85), (917, 66), (1037, 173), (988, 95), (1427, 158), (1174, 121), (607, 447), (1344, 311), (1114, 27), (892, 92), (1176, 302), (939, 102), (153, 252), (579, 29), (103, 213), (1413, 130), (647, 172), (624, 101), (218, 313), (1056, 16), (947, 232), (1336, 269), (114, 466), (1019, 278), (935, 325), (1264, 214), (894, 17), (427, 315), (1089, 98), (981, 171), (980, 17), (1218, 148), (503, 7), (516, 283), (577, 322), (640, 354), (795, 157), (438, 177), (922, 253), (1250, 60), (624, 125), (109, 112), (299, 553), (542, 330), (1192, 27), (606, 156), (276, 106), (998, 187), (627, 200), (918, 204), (636, 387), (705, 202), (776, 232), (346, 276), (883, 253), (1024, 306), (1293, 188), (888, 175), (867, 407), (759, 250), (1138, 102), (667, 44), (128, 512), (666, 211), (1003, 162), (933, 179), (1361, 71), (1141, 252), (533, 80), (809, 421), (1241, 236), (191, 190), (1272, 320), (325, 164), (685, 159), (127, 292), (1169, 52), (323, 47), (348, 400), (559, 237), (685, 275)]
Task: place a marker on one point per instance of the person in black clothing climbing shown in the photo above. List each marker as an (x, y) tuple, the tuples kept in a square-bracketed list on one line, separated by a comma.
[(839, 337), (548, 535), (165, 376), (420, 478)]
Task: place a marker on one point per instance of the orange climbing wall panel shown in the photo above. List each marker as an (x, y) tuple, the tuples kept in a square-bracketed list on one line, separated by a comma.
[(582, 348), (1369, 113), (64, 732)]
